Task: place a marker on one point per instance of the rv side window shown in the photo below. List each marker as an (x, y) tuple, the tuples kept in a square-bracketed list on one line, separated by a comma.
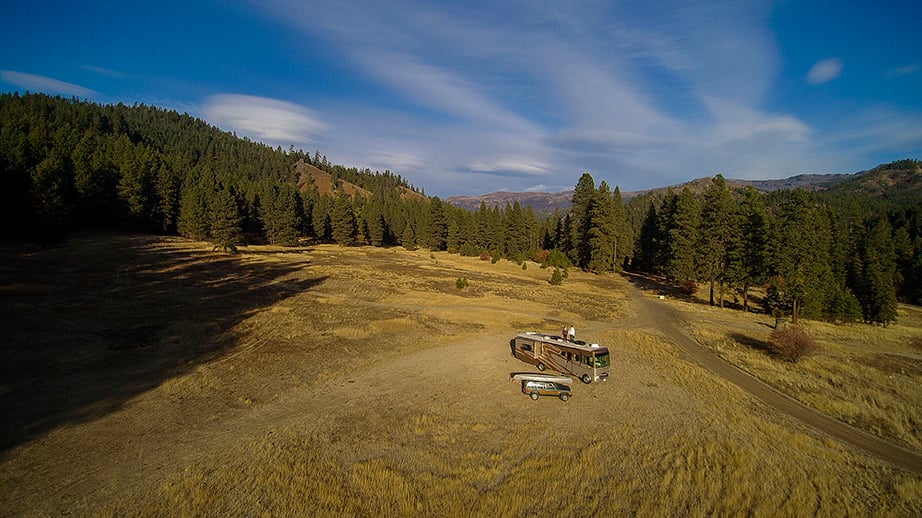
[(526, 347)]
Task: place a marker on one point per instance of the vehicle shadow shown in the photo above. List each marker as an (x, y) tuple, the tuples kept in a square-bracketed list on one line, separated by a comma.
[(90, 324)]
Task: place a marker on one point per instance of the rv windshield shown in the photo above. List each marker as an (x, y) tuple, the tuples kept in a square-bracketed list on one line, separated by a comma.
[(602, 360)]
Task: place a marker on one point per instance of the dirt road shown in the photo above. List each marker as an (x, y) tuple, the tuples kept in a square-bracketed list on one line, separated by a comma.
[(668, 324)]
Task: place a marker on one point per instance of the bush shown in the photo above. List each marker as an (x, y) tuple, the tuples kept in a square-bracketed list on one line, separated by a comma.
[(470, 250), (541, 256), (689, 287), (791, 343), (461, 283), (557, 277), (485, 255), (558, 259)]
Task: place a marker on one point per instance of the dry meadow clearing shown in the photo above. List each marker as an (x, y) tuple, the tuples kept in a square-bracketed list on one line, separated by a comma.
[(152, 376)]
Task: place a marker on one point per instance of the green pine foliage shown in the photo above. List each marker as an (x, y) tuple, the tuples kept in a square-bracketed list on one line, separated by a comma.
[(849, 253), (343, 221), (226, 223)]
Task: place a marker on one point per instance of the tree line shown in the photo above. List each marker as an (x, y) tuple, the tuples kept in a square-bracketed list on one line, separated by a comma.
[(833, 255), (70, 165)]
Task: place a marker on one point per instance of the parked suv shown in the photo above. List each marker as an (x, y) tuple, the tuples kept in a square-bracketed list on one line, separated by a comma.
[(545, 388)]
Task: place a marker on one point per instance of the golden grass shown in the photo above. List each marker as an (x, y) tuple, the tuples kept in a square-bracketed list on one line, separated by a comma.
[(867, 376), (369, 385), (716, 455)]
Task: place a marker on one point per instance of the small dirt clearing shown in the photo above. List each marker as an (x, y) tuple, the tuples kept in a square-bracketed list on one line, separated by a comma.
[(150, 376)]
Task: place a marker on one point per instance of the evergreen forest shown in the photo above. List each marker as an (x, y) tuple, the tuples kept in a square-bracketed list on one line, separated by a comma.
[(846, 254)]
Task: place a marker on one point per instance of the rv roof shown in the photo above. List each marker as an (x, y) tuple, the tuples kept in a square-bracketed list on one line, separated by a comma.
[(556, 339)]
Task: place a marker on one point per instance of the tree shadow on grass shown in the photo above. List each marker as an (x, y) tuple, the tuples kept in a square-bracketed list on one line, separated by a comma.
[(658, 286), (94, 323), (753, 343)]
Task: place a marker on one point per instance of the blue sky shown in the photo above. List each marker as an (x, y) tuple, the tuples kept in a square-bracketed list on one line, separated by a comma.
[(474, 97)]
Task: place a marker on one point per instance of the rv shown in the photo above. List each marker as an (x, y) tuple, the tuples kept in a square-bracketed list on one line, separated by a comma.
[(588, 362)]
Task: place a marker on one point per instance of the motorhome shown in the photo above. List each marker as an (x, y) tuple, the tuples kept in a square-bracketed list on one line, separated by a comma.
[(588, 362)]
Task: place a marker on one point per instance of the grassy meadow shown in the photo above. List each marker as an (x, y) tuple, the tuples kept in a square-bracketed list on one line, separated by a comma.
[(330, 381)]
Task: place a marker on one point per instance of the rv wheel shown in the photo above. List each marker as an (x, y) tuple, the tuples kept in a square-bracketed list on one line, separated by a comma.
[(586, 379), (564, 396), (534, 396), (540, 366)]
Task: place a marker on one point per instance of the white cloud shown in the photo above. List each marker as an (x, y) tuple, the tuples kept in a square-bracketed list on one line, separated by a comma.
[(270, 121), (488, 96), (824, 71), (36, 83)]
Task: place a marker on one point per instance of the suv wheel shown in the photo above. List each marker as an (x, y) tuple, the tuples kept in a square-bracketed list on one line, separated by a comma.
[(564, 396), (533, 396)]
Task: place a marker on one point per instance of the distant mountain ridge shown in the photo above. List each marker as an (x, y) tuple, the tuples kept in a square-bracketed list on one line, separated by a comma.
[(901, 177)]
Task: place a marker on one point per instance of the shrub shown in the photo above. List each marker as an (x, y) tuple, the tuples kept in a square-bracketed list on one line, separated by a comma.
[(558, 259), (461, 283), (791, 343), (689, 287), (541, 256), (485, 255), (524, 265), (557, 277), (495, 256), (469, 249)]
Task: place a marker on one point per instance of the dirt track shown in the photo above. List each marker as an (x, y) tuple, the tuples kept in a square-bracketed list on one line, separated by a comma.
[(668, 323)]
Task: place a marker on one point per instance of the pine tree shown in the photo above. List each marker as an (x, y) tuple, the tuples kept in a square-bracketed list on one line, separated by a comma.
[(408, 239), (583, 197), (680, 228), (226, 230), (322, 218), (194, 221), (52, 196), (517, 239), (747, 253), (799, 253), (282, 217), (715, 235), (343, 220), (603, 234), (648, 252), (435, 234), (624, 236), (877, 292)]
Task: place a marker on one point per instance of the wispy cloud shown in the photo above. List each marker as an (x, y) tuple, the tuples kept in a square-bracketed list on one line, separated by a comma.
[(36, 83), (824, 71), (103, 71), (904, 70), (530, 94), (270, 121)]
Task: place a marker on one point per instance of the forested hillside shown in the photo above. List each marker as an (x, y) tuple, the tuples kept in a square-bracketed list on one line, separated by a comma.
[(844, 254)]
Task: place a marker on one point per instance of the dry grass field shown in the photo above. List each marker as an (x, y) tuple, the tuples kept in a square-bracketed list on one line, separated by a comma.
[(150, 376)]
